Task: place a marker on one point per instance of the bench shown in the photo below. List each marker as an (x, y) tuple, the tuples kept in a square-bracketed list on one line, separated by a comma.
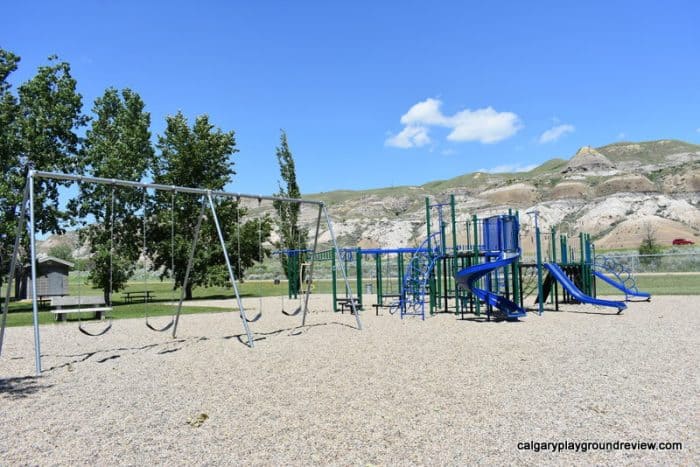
[(138, 295), (61, 306), (348, 303)]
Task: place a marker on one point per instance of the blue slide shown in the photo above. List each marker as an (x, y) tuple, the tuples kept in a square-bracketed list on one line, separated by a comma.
[(575, 292), (468, 277), (621, 287)]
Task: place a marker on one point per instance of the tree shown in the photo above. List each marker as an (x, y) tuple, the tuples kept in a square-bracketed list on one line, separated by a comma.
[(116, 146), (292, 236), (649, 247), (62, 251), (37, 129), (12, 179), (200, 157)]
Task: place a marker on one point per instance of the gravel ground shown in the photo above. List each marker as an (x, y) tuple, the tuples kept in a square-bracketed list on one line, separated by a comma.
[(443, 391)]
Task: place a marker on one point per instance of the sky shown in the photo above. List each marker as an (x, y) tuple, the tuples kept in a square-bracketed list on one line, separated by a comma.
[(376, 94)]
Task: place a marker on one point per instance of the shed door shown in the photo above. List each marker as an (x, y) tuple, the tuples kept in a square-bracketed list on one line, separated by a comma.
[(56, 283)]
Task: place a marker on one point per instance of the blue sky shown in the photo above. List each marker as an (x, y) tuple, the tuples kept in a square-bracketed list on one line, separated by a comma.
[(377, 94)]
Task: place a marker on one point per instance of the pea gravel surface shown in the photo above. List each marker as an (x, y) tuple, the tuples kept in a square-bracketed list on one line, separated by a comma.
[(400, 392)]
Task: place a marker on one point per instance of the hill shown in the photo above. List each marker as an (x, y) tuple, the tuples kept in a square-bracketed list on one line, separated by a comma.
[(615, 192)]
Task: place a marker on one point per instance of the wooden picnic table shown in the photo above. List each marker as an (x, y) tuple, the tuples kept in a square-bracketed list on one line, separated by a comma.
[(143, 295)]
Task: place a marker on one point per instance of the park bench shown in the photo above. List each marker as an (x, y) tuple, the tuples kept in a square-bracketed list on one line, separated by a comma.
[(61, 306)]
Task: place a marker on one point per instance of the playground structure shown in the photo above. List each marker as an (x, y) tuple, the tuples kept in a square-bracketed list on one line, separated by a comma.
[(474, 266), (208, 203)]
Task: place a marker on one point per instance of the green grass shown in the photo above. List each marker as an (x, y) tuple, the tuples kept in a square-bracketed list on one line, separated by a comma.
[(20, 313), (659, 284)]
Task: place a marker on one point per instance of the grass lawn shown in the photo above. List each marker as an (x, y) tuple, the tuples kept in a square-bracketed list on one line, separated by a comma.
[(20, 313), (659, 284)]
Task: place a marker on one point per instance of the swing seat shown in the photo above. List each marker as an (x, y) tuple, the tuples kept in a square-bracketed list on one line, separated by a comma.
[(163, 329), (252, 320), (292, 313)]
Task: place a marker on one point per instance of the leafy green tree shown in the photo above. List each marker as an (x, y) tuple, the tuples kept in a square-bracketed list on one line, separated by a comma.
[(201, 157), (649, 247), (37, 129), (12, 178), (117, 145), (62, 251), (292, 235)]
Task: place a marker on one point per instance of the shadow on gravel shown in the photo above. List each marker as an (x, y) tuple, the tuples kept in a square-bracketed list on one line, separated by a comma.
[(293, 331), (19, 388), (580, 312)]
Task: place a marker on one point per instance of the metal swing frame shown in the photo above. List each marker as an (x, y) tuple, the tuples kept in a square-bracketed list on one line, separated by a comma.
[(208, 196)]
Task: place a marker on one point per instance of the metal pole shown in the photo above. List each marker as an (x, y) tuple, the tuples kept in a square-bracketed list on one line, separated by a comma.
[(190, 260), (538, 248), (241, 311), (157, 186), (13, 260), (345, 276), (35, 304), (311, 267)]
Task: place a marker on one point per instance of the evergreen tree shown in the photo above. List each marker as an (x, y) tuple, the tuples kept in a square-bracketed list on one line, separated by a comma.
[(292, 236)]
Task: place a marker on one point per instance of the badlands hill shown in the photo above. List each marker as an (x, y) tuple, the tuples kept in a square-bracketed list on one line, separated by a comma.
[(615, 192)]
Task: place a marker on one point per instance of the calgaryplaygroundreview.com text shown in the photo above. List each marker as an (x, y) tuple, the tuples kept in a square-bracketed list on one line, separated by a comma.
[(585, 446)]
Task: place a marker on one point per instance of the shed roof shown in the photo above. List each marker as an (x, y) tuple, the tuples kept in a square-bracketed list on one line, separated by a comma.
[(44, 259)]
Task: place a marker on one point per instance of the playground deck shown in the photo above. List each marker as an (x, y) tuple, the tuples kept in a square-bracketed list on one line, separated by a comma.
[(439, 391)]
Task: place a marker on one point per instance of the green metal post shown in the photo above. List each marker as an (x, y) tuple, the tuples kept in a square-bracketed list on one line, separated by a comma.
[(453, 283), (358, 267), (475, 222), (427, 221), (540, 288), (378, 265), (333, 278)]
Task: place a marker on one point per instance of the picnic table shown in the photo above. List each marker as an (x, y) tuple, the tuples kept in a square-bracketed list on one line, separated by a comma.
[(138, 296), (347, 303)]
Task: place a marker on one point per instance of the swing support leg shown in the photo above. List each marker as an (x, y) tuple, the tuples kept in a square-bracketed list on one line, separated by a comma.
[(13, 261), (190, 260), (341, 263), (311, 267), (35, 304), (232, 277)]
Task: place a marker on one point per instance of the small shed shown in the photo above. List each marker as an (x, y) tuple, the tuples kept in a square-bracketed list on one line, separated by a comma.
[(51, 278)]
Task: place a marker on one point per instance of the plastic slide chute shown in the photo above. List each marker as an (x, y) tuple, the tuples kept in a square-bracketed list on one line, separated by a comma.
[(561, 277), (468, 278)]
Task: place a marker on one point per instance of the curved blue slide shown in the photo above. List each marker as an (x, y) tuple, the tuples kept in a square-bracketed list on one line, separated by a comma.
[(575, 292), (469, 276), (621, 287)]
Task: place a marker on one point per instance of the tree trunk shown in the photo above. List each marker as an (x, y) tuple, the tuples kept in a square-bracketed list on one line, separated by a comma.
[(188, 292), (105, 292)]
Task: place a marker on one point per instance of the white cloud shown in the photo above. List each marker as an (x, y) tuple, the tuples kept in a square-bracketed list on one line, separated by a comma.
[(425, 113), (409, 137), (509, 168), (484, 125), (555, 133), (621, 136)]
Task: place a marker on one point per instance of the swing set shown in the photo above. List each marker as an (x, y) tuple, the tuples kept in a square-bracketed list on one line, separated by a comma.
[(208, 202)]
